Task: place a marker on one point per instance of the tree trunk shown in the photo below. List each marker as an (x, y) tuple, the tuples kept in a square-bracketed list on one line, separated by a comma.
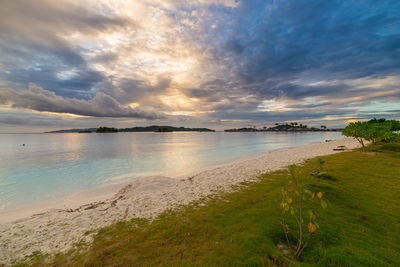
[(359, 139), (300, 244)]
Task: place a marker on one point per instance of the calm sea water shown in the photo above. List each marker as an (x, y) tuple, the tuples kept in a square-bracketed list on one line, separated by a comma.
[(51, 165)]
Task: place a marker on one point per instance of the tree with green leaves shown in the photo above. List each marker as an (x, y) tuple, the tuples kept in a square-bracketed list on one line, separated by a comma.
[(356, 130), (374, 131), (395, 125)]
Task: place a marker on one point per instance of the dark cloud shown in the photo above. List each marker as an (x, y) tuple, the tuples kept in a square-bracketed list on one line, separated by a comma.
[(322, 40), (34, 48), (101, 105), (62, 16), (77, 83), (309, 106)]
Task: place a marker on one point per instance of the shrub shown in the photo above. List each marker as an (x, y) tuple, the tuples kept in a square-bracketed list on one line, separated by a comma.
[(391, 147), (295, 200)]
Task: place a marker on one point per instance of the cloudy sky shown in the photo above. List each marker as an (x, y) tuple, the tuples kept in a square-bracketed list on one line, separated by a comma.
[(208, 63)]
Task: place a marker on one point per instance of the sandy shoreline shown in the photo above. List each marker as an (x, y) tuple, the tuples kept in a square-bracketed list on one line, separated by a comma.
[(58, 229)]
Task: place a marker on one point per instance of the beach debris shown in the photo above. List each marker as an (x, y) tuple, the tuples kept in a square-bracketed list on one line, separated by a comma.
[(340, 148), (38, 214), (93, 205), (121, 193), (126, 212)]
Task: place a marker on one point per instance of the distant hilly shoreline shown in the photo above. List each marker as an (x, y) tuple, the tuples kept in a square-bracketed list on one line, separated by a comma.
[(293, 127), (152, 128)]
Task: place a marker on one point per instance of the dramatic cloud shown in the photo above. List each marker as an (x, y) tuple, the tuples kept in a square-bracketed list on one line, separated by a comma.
[(101, 105), (226, 61)]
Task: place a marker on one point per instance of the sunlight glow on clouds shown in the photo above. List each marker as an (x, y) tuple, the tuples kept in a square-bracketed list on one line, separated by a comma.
[(192, 63)]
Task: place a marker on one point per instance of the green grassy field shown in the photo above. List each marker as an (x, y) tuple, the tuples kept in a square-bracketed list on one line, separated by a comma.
[(360, 227)]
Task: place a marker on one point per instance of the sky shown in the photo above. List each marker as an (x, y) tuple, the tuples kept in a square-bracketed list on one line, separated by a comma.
[(203, 63)]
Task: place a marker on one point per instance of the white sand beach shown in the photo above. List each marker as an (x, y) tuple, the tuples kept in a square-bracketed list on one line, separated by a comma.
[(58, 229)]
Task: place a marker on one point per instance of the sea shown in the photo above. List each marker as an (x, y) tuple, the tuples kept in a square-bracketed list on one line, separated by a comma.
[(51, 166)]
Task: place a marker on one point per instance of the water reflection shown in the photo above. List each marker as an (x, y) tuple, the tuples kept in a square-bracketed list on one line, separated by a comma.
[(52, 164)]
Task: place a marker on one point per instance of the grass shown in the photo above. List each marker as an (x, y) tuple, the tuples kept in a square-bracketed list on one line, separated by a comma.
[(360, 227), (387, 148)]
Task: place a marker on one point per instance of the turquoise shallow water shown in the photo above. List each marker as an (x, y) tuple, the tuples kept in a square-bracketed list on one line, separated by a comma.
[(52, 165)]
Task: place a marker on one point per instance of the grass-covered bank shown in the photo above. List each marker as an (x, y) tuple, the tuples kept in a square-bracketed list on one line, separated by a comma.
[(360, 227)]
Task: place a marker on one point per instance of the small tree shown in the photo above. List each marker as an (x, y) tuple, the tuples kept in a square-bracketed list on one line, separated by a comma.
[(374, 130), (295, 200), (356, 130)]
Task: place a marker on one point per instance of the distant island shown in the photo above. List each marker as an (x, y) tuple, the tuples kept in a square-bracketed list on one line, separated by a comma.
[(156, 128), (152, 128), (106, 130), (292, 127)]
